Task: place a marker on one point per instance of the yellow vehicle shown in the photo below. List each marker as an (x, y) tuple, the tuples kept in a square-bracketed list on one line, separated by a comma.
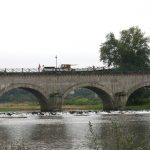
[(63, 67), (66, 67)]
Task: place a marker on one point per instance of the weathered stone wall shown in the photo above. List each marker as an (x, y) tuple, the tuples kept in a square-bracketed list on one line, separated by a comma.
[(51, 88)]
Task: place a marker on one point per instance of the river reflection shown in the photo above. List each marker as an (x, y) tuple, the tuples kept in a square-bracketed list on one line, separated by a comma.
[(71, 131)]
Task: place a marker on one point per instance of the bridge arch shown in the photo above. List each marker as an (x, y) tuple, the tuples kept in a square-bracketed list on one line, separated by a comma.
[(34, 89), (104, 93), (136, 87)]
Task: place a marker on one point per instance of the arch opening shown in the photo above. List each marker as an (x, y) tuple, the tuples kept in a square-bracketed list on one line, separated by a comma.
[(22, 99), (139, 98), (90, 96)]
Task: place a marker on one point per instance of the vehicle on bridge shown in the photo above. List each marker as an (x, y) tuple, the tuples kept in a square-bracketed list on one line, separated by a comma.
[(63, 67), (49, 69)]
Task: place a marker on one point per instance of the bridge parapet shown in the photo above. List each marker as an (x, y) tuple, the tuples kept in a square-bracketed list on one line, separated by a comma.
[(75, 70), (19, 70)]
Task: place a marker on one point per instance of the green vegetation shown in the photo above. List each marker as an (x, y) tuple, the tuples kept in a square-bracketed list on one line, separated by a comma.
[(94, 138), (19, 106), (139, 100), (14, 147), (18, 95), (120, 138), (83, 101), (83, 104), (96, 104), (138, 104), (18, 100), (140, 97), (82, 107), (139, 107), (130, 52), (82, 92)]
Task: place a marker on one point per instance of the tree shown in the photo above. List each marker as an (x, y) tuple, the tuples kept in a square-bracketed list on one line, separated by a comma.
[(130, 51)]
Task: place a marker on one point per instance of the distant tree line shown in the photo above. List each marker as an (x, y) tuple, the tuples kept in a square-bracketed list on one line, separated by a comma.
[(20, 95), (82, 93)]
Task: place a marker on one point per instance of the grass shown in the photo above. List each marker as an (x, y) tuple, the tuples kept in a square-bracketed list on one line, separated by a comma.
[(74, 104), (121, 138), (78, 104), (83, 104), (21, 106), (82, 101), (96, 104), (14, 147), (139, 107), (82, 107)]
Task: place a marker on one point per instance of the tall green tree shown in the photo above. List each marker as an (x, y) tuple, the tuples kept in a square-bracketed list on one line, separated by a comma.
[(130, 51)]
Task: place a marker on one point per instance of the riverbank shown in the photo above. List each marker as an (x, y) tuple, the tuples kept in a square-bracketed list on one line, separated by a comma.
[(96, 104), (82, 107), (83, 104), (20, 106), (69, 105), (29, 107), (139, 107)]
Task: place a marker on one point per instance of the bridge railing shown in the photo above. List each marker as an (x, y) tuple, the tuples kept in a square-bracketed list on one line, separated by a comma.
[(89, 69), (19, 70), (51, 70)]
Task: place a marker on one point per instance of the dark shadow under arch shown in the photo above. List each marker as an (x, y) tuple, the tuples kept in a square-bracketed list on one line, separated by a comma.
[(106, 97), (40, 97), (138, 94), (43, 102), (136, 87)]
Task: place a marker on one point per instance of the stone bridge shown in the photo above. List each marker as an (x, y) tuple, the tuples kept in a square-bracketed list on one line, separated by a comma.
[(51, 88)]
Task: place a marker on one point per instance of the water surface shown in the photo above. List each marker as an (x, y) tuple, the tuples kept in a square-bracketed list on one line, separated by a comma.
[(61, 131)]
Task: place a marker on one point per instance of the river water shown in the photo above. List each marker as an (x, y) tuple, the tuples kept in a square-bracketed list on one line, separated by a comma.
[(75, 130)]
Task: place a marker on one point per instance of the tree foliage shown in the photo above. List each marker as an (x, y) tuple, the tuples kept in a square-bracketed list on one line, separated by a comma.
[(130, 51)]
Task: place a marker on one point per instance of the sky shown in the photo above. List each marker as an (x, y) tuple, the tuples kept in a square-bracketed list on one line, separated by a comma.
[(33, 32)]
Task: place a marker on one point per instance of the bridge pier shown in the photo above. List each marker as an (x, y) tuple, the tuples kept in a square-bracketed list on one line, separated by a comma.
[(54, 102), (120, 101)]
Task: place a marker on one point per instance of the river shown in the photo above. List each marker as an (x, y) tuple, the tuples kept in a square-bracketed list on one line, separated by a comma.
[(75, 130)]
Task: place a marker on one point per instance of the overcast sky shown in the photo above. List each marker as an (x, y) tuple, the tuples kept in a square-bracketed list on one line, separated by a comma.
[(35, 31)]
